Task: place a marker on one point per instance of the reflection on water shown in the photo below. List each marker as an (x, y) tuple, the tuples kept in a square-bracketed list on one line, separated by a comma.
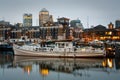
[(32, 68), (7, 52)]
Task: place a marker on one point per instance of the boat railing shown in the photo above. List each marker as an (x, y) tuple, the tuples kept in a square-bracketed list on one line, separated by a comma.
[(89, 49)]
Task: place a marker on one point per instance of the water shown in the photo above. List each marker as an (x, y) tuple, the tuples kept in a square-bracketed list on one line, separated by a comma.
[(32, 68)]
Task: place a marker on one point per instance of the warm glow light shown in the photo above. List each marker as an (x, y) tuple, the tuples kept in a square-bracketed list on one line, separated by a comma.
[(110, 64), (44, 72), (108, 37), (115, 37), (28, 69), (109, 48), (110, 33), (71, 37), (83, 49), (102, 38), (104, 64)]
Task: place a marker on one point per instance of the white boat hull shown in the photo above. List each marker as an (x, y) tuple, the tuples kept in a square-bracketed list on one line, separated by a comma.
[(22, 52)]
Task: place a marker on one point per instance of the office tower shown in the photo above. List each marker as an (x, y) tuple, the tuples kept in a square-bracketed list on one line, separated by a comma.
[(76, 24), (27, 20), (4, 22), (44, 18), (117, 24)]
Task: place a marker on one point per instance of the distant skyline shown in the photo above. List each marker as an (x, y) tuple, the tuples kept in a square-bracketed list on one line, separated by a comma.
[(94, 12)]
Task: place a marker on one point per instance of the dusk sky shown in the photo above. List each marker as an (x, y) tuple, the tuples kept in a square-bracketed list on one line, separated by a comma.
[(97, 11)]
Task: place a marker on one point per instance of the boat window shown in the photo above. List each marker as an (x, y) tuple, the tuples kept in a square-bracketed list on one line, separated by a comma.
[(58, 44), (66, 44), (61, 45)]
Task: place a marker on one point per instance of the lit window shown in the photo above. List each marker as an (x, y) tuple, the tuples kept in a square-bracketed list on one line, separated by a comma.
[(110, 33)]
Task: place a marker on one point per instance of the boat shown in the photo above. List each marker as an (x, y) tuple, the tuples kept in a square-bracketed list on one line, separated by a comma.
[(4, 46), (58, 49)]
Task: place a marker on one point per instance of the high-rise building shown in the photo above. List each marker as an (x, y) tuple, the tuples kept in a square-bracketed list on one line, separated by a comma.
[(27, 20), (4, 22), (44, 18), (117, 24), (19, 24), (76, 24)]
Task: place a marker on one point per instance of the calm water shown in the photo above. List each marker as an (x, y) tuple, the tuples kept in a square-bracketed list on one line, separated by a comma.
[(32, 68)]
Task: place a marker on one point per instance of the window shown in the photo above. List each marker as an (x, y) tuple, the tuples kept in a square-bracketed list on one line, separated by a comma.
[(66, 44), (61, 45)]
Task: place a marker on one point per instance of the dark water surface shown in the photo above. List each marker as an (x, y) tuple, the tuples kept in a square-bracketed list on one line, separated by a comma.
[(32, 68)]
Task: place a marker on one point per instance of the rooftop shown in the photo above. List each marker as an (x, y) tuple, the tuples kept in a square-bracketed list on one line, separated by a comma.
[(44, 10)]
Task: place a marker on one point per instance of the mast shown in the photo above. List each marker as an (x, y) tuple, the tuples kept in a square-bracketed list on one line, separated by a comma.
[(88, 21)]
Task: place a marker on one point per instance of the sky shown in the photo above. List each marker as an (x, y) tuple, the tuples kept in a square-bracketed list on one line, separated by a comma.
[(90, 12)]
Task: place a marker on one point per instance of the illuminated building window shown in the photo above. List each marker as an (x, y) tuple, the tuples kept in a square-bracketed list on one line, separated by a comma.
[(110, 33)]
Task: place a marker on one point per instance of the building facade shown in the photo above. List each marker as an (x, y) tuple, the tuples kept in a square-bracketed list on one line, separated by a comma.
[(27, 20), (101, 33), (37, 33), (5, 31), (66, 29)]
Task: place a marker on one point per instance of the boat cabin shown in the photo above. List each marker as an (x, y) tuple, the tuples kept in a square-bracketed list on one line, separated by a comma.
[(63, 47)]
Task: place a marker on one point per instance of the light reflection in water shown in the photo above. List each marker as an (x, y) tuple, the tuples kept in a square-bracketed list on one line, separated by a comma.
[(44, 72), (47, 68), (28, 69), (108, 63)]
